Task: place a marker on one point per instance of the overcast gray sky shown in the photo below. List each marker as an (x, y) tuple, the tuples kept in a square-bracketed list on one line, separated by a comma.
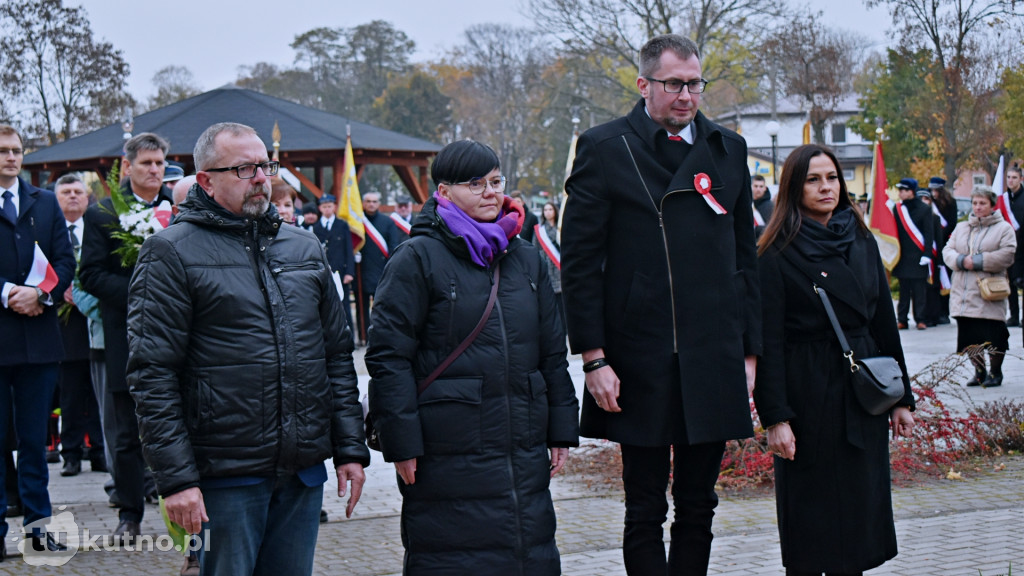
[(212, 38)]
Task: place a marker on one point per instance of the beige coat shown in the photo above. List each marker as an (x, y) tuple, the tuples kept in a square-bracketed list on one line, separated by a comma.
[(990, 243)]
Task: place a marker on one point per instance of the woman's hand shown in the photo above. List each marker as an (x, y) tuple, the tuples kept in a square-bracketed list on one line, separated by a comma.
[(901, 421), (407, 470), (558, 458), (781, 441)]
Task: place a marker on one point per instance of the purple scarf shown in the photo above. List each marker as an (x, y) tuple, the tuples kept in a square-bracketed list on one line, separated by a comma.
[(485, 240)]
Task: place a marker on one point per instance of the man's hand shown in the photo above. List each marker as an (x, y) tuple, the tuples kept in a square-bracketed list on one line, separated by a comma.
[(351, 472), (24, 300), (602, 383), (187, 509), (69, 297), (407, 470), (347, 279), (750, 366)]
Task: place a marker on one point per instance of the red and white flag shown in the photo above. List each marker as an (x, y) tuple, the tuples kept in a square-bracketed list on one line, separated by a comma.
[(703, 185), (42, 275)]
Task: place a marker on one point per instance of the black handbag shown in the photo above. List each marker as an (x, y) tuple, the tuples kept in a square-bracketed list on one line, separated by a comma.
[(372, 434), (877, 382)]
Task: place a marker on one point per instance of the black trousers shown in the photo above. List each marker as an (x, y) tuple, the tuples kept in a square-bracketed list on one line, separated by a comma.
[(645, 473), (79, 412), (912, 289), (126, 449)]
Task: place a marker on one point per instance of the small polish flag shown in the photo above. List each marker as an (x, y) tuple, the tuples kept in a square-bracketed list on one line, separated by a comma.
[(42, 274)]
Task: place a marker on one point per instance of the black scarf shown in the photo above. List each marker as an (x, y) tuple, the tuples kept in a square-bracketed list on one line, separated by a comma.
[(816, 242)]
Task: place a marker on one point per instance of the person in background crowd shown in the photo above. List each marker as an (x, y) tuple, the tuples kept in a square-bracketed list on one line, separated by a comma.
[(382, 236), (762, 202), (479, 446), (180, 191), (336, 238), (402, 216), (79, 411), (30, 337), (173, 172), (1014, 204), (548, 245), (662, 319), (983, 246), (945, 204), (531, 218), (310, 216), (283, 196), (224, 300), (832, 483), (916, 234), (105, 276), (933, 289)]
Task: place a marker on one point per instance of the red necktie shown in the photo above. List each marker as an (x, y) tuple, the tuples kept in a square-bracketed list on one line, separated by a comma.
[(675, 138)]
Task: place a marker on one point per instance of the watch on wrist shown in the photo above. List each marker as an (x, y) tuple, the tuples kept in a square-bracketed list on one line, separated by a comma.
[(40, 295)]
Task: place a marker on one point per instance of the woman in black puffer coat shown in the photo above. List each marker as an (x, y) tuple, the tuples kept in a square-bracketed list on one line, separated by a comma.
[(472, 451)]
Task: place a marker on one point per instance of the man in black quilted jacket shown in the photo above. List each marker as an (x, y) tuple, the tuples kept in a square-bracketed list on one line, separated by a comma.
[(241, 368)]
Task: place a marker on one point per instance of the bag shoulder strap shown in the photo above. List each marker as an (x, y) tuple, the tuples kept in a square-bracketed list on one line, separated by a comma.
[(847, 350), (472, 335)]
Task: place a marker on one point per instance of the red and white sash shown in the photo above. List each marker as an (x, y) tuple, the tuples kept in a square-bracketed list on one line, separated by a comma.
[(909, 226), (942, 219), (1003, 204), (401, 223), (758, 219), (375, 236), (547, 245)]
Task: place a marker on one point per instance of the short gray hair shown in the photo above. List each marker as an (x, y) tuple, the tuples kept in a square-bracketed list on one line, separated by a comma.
[(72, 178), (983, 191), (144, 141), (205, 154), (650, 54)]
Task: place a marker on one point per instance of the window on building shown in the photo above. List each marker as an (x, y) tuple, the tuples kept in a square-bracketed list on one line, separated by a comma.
[(838, 133), (979, 180), (849, 174)]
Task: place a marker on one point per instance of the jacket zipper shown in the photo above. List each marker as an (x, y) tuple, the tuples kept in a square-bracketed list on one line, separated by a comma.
[(451, 317), (664, 240), (520, 549)]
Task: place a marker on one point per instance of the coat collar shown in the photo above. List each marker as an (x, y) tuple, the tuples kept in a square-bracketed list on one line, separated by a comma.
[(708, 142), (837, 277), (27, 196)]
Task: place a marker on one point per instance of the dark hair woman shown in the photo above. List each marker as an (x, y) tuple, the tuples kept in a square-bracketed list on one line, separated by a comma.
[(472, 450), (983, 246), (832, 457), (546, 240)]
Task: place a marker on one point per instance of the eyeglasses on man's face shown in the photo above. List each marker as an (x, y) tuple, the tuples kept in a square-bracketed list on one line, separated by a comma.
[(15, 151), (247, 171), (676, 86), (478, 185)]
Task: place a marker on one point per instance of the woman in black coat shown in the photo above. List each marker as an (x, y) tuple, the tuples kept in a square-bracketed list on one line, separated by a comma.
[(472, 450), (832, 481)]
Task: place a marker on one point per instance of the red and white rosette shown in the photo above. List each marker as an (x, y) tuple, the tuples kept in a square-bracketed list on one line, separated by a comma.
[(702, 182)]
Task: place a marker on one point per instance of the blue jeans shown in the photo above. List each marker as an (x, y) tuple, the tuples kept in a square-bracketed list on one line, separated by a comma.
[(269, 528), (29, 389)]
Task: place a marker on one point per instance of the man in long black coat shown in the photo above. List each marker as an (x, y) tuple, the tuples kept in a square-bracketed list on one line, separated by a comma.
[(30, 344), (382, 236), (916, 234), (104, 276), (336, 238), (659, 275)]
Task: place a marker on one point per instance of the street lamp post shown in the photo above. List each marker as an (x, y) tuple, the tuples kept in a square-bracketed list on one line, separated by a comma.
[(772, 127)]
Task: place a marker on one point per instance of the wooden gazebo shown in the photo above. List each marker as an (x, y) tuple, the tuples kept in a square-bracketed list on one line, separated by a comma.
[(312, 139)]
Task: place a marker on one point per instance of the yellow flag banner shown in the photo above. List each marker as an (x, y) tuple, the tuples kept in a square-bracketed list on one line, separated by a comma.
[(350, 204)]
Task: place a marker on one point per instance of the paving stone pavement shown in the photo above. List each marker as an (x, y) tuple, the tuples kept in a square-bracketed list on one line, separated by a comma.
[(943, 527)]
